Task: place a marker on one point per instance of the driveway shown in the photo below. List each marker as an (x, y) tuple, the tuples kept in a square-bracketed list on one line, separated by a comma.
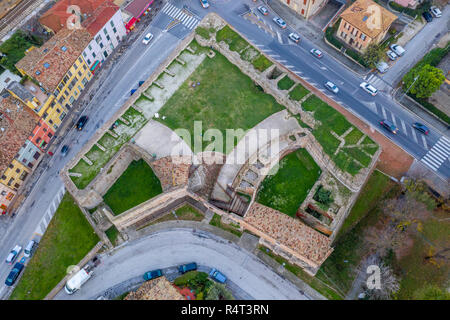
[(177, 246)]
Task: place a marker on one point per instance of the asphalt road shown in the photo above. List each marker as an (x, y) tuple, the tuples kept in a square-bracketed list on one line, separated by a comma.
[(179, 246)]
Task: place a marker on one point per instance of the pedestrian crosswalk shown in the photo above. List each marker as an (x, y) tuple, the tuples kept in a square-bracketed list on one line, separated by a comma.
[(376, 82), (438, 154), (186, 19), (40, 230)]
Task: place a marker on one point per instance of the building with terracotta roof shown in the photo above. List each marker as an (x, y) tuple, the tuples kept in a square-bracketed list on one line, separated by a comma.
[(134, 10), (6, 196), (16, 124), (363, 23), (60, 70), (306, 8), (156, 289)]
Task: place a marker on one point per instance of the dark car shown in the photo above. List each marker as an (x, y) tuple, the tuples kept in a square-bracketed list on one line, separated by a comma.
[(421, 127), (187, 267), (427, 16), (64, 149), (81, 122), (388, 125), (12, 277), (152, 274)]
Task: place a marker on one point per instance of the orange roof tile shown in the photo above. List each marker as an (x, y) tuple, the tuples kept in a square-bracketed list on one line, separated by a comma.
[(95, 22)]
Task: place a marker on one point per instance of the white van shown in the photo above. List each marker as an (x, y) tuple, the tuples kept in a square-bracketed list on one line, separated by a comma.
[(75, 283), (29, 248), (382, 66), (398, 49)]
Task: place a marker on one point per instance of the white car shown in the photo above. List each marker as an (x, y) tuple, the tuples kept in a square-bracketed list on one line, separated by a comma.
[(435, 11), (280, 22), (332, 87), (382, 66), (398, 49), (391, 54), (263, 10), (294, 37), (12, 256), (148, 37), (369, 88), (204, 3)]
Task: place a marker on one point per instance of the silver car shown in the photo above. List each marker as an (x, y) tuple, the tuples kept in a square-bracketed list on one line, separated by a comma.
[(280, 22), (391, 54), (332, 87)]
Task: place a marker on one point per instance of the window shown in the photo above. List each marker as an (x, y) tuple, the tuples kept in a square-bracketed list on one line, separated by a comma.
[(112, 23), (50, 121), (348, 27), (17, 170), (104, 31), (10, 181), (363, 36), (16, 185), (38, 140), (98, 39), (11, 166), (65, 79), (90, 48), (49, 135), (115, 30), (36, 155), (71, 100), (84, 54), (108, 38), (61, 100), (101, 44), (44, 115), (105, 54), (55, 126), (93, 54), (84, 81), (117, 37), (80, 88), (69, 73), (84, 67), (66, 93), (343, 35), (80, 60), (57, 110), (23, 176), (3, 177), (62, 116), (88, 61)]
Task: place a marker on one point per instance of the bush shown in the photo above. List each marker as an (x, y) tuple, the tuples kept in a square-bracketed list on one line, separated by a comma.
[(261, 63), (355, 55), (323, 196), (430, 107), (14, 48), (329, 34)]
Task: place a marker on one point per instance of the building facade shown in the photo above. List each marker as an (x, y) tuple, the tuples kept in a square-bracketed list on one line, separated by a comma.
[(42, 135), (306, 8), (363, 23)]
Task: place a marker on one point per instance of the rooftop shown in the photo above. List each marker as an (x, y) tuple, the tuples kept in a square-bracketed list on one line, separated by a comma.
[(290, 232), (359, 15), (20, 91), (136, 7), (156, 289), (49, 63), (16, 124), (97, 19)]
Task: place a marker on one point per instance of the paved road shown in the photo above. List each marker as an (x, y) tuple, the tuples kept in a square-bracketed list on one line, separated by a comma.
[(178, 246)]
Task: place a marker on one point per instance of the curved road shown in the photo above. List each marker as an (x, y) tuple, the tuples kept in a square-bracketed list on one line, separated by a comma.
[(178, 246)]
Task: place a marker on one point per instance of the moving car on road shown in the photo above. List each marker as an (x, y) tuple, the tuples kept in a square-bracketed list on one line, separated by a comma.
[(389, 126), (148, 37), (187, 267), (398, 49), (428, 17), (64, 149), (435, 11), (391, 54), (14, 274), (280, 22), (369, 88), (316, 53), (294, 37), (421, 127), (332, 87), (204, 3), (12, 256), (263, 10), (152, 274), (217, 275), (81, 122)]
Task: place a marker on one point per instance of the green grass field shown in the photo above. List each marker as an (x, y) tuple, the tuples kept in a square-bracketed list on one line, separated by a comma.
[(298, 92), (286, 190), (225, 99), (138, 183), (68, 238), (216, 221), (286, 83)]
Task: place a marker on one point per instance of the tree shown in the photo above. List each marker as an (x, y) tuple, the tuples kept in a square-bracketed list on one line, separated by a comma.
[(218, 292), (429, 79), (373, 54)]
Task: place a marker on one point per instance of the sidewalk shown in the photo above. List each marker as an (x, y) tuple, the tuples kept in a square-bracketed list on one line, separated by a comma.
[(312, 33)]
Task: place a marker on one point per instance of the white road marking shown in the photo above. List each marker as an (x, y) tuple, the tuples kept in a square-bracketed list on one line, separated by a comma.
[(424, 142), (403, 126), (414, 135), (438, 154), (384, 112)]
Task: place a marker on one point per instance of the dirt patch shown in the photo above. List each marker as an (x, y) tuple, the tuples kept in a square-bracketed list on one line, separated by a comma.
[(405, 248)]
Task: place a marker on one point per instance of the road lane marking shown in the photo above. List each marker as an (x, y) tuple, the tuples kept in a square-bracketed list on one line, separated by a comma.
[(403, 126), (424, 142), (437, 154), (393, 119), (280, 39), (384, 112), (414, 135)]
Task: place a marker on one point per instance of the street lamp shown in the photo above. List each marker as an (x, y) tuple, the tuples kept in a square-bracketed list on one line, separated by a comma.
[(415, 79)]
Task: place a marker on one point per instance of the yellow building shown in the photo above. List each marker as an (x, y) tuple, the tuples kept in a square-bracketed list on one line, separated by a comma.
[(14, 175), (60, 70)]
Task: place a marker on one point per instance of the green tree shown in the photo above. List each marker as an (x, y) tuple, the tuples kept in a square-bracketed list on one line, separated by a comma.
[(218, 291), (429, 79), (431, 292), (373, 54)]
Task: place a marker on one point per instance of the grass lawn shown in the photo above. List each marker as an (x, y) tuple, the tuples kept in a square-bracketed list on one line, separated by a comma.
[(353, 137), (298, 92), (261, 63), (112, 233), (225, 99), (138, 183), (186, 212), (321, 287), (68, 238), (216, 221), (286, 83), (286, 190)]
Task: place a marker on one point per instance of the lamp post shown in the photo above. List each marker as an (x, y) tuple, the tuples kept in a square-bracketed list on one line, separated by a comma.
[(415, 79)]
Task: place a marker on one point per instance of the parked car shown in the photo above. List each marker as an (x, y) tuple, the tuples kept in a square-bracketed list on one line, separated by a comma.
[(152, 274), (263, 10), (217, 275), (398, 49), (12, 256), (421, 127), (64, 149), (29, 249), (389, 126), (294, 37), (280, 22), (391, 54), (75, 282), (369, 88), (332, 87), (14, 274), (148, 37), (316, 53), (204, 3), (435, 11), (428, 17), (187, 267), (82, 122), (382, 66)]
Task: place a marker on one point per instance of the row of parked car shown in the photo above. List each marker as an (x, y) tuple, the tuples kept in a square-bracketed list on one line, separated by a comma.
[(434, 12), (214, 273), (18, 267)]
